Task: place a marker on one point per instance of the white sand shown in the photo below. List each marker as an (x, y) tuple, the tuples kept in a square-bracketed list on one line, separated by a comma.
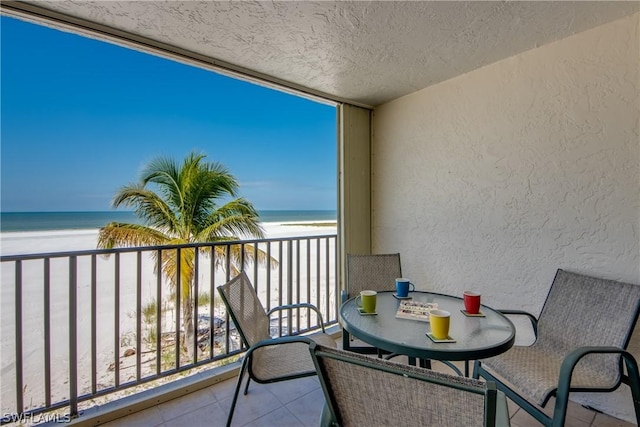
[(77, 240)]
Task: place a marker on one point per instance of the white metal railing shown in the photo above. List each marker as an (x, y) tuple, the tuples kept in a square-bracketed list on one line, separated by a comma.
[(83, 324)]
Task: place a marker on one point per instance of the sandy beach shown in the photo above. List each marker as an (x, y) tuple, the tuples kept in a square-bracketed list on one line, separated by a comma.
[(13, 243)]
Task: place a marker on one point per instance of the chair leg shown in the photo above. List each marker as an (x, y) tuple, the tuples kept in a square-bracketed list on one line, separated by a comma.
[(243, 368), (476, 370), (346, 340), (633, 379), (425, 363), (246, 388)]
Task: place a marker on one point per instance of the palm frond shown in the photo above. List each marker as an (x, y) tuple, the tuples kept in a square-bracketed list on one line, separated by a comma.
[(203, 188), (236, 218), (164, 172), (117, 234), (148, 206)]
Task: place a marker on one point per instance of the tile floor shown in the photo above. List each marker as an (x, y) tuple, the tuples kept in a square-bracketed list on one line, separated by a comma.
[(294, 403)]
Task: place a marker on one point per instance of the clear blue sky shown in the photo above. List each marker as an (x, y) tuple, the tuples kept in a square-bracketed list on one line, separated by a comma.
[(80, 118)]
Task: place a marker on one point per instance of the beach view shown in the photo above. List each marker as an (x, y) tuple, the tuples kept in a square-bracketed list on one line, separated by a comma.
[(119, 219), (282, 224)]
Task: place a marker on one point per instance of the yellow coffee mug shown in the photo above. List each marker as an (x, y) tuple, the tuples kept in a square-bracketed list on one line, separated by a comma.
[(439, 320), (367, 301)]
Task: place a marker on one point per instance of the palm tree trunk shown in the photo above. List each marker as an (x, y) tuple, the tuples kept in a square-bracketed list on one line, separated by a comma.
[(189, 331)]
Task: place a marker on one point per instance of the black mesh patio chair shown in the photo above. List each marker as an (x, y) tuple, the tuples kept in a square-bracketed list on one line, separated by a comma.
[(369, 272), (267, 359), (581, 339), (361, 390)]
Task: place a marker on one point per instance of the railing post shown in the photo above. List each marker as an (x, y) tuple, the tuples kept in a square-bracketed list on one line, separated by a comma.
[(328, 281), (138, 316), (73, 337), (196, 268), (178, 304), (18, 327), (159, 315), (116, 321), (212, 292), (309, 282), (94, 328), (297, 284), (280, 287), (47, 331), (289, 286)]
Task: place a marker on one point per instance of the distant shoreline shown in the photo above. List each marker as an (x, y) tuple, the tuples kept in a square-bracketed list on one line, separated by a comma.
[(88, 220), (50, 241)]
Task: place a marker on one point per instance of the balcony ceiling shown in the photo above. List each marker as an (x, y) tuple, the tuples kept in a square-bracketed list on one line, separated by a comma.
[(365, 52)]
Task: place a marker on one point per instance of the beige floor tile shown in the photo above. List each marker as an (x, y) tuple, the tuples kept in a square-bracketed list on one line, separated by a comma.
[(148, 418), (257, 403), (578, 411), (187, 403), (523, 419), (575, 422), (308, 408), (288, 391), (211, 415), (224, 389), (513, 408), (574, 410), (281, 417), (603, 420)]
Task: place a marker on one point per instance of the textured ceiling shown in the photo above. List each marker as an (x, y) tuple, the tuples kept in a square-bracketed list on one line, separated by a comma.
[(367, 52)]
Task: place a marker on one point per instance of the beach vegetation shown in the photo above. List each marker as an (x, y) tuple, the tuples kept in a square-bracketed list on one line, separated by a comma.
[(150, 311), (151, 336), (127, 339), (181, 203), (168, 359), (204, 299)]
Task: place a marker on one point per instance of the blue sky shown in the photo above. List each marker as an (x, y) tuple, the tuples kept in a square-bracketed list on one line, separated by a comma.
[(80, 118)]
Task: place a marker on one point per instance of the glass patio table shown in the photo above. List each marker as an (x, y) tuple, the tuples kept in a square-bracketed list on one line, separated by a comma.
[(475, 337)]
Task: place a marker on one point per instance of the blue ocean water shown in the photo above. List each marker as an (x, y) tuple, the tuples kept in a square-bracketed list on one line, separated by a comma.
[(48, 221)]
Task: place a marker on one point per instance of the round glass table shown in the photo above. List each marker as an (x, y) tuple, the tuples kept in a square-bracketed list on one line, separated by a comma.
[(475, 337)]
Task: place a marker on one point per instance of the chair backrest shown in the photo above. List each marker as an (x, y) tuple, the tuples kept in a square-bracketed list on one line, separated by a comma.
[(375, 272), (362, 391), (245, 309), (587, 311)]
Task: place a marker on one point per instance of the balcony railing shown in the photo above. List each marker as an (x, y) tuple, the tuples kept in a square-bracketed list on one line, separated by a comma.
[(80, 325)]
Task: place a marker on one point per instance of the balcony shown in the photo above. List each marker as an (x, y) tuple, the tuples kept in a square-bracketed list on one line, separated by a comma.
[(82, 329), (305, 272)]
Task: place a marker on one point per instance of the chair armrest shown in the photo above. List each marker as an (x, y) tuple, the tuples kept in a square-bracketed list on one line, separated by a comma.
[(300, 305), (279, 341), (534, 321), (291, 339), (566, 371)]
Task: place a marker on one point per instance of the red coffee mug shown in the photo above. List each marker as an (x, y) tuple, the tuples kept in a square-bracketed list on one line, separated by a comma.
[(471, 302)]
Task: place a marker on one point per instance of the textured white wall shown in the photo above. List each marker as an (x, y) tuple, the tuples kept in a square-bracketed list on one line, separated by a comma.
[(493, 180)]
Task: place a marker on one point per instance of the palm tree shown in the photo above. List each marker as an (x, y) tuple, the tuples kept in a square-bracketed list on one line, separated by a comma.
[(179, 204)]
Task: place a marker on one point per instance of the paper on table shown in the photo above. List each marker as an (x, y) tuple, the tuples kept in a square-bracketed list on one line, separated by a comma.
[(415, 310)]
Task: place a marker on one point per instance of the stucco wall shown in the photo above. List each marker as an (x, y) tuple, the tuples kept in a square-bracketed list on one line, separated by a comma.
[(493, 180)]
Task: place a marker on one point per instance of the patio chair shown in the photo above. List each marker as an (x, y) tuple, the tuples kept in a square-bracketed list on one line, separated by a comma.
[(367, 391), (267, 359), (373, 272), (581, 339)]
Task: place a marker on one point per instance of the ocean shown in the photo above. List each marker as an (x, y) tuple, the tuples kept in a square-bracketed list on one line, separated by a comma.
[(50, 221)]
